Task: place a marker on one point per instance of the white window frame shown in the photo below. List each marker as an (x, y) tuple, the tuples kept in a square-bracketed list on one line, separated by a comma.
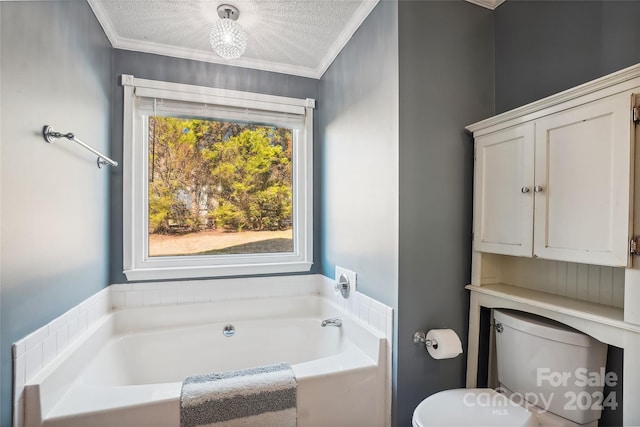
[(136, 262)]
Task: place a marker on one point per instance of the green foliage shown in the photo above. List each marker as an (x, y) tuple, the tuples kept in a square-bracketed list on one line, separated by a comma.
[(174, 164), (248, 170), (230, 217), (238, 174), (160, 202), (271, 208)]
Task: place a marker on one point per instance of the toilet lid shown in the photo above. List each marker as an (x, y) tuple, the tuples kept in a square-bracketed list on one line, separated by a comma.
[(471, 407)]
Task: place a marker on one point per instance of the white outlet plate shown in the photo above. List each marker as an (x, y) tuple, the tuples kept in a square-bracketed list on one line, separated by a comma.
[(351, 275)]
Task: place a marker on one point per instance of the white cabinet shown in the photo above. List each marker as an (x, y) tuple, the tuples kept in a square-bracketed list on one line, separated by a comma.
[(559, 186), (584, 166), (503, 202), (556, 200)]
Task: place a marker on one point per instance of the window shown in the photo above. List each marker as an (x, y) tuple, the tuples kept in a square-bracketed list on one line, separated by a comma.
[(216, 182)]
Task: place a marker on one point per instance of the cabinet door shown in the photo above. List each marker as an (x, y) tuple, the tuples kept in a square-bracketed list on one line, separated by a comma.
[(583, 177), (503, 191)]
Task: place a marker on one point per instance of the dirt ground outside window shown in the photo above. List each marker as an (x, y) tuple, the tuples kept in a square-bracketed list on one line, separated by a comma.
[(214, 242)]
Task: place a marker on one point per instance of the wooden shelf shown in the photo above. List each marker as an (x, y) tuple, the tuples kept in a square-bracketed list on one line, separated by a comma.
[(603, 314)]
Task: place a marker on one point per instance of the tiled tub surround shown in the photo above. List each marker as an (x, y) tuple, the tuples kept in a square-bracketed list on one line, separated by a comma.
[(41, 358)]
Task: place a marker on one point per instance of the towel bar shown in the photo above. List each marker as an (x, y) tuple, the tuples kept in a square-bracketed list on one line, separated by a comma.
[(51, 135)]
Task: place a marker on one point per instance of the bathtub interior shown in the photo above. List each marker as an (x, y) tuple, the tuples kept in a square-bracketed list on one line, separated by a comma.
[(145, 358), (127, 363)]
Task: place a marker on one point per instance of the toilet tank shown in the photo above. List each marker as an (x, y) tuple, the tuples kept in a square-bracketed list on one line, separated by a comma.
[(550, 365)]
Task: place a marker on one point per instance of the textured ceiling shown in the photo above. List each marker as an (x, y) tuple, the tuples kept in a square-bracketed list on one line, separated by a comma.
[(300, 37)]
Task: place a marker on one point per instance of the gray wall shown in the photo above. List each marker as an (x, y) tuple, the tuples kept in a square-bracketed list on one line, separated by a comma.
[(446, 82), (156, 67), (397, 171), (358, 125), (56, 69), (358, 128), (544, 47)]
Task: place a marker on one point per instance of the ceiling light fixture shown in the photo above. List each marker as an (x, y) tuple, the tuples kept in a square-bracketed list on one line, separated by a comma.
[(227, 37)]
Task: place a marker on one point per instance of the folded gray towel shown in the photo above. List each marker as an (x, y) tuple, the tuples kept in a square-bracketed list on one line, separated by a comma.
[(260, 397)]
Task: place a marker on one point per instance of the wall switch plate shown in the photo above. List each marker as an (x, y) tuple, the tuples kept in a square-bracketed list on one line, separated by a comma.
[(351, 275)]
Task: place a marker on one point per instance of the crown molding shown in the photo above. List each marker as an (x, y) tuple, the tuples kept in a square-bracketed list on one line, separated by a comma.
[(104, 20), (489, 4), (197, 55), (357, 19)]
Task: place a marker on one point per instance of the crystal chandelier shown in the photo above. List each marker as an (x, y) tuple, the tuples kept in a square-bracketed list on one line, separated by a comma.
[(227, 37)]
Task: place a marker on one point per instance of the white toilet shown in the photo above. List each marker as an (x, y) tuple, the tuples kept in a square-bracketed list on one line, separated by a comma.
[(542, 366)]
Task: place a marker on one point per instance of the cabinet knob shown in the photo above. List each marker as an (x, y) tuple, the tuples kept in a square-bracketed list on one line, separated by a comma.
[(525, 189), (538, 189)]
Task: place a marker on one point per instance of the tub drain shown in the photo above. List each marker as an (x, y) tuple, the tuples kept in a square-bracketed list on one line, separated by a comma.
[(228, 331)]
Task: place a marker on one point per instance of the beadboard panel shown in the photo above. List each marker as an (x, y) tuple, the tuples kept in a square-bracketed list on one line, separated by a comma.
[(593, 283)]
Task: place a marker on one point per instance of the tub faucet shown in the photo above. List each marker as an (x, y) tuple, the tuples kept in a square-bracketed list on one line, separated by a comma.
[(334, 321)]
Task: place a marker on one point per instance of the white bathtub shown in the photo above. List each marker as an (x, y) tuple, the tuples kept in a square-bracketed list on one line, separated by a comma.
[(128, 371)]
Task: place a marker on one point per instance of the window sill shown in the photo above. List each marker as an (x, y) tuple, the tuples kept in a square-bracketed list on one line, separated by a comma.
[(216, 271)]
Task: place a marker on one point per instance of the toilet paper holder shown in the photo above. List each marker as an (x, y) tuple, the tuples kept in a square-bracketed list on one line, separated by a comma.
[(421, 337)]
